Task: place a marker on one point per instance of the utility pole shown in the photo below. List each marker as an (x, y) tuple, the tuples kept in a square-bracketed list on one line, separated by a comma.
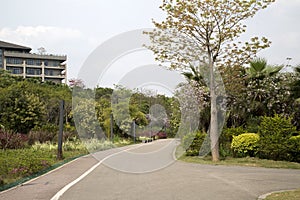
[(111, 126), (61, 128), (133, 129)]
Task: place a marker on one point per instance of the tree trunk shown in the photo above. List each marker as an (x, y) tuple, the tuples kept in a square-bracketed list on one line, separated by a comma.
[(214, 135)]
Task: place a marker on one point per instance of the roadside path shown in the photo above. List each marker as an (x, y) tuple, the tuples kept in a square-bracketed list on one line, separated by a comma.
[(120, 175)]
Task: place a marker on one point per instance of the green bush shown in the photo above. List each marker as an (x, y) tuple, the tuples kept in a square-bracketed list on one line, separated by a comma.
[(252, 124), (1, 181), (275, 133), (245, 144), (192, 143), (226, 139), (294, 148)]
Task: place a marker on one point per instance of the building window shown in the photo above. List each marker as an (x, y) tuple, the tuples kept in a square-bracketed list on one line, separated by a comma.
[(16, 61), (49, 72), (38, 72), (53, 63), (29, 62), (33, 62), (38, 62), (17, 71), (31, 71)]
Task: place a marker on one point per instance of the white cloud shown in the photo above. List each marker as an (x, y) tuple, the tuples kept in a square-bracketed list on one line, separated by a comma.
[(56, 40), (39, 35)]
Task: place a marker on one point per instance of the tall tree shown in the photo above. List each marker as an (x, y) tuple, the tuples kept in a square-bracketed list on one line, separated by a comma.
[(202, 33)]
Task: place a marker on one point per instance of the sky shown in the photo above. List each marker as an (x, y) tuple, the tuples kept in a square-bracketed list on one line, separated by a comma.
[(76, 27)]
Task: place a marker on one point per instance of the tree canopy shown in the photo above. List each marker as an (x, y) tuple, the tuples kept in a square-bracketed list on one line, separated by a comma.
[(203, 33)]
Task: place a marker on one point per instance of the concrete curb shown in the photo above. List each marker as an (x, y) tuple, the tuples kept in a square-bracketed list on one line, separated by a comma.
[(261, 197)]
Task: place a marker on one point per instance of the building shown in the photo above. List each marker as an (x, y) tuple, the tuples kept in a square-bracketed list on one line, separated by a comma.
[(20, 62)]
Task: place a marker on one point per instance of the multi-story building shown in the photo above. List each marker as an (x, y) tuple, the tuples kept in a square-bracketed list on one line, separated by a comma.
[(20, 62)]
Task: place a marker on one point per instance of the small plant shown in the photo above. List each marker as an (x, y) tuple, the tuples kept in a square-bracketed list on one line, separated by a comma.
[(43, 134), (73, 144), (192, 143), (94, 145), (245, 144), (11, 140), (226, 139), (144, 139), (47, 146)]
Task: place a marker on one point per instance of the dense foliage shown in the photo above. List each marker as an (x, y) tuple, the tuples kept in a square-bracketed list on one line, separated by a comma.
[(245, 144), (275, 134), (31, 107), (192, 143)]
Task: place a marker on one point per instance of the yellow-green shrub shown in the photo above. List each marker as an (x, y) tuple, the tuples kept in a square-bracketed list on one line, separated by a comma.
[(245, 144)]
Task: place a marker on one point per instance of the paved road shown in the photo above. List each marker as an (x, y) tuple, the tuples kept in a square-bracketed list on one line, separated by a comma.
[(169, 180), (149, 171)]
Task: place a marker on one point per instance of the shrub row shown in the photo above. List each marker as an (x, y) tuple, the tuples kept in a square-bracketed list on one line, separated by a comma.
[(46, 133), (277, 139)]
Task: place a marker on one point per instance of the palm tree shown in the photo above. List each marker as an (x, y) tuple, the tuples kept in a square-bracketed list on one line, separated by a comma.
[(259, 69), (194, 75)]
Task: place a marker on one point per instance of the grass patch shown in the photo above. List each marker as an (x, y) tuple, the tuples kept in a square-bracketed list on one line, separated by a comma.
[(17, 164), (248, 161), (290, 195)]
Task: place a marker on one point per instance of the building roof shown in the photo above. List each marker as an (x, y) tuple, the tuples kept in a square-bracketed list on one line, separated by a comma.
[(8, 45)]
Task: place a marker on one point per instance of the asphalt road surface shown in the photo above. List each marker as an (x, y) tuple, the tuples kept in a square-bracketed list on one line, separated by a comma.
[(150, 172)]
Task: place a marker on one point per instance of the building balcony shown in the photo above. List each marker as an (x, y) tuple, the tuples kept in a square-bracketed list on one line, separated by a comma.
[(17, 74), (33, 66), (55, 76), (61, 67), (14, 65), (34, 56), (34, 75)]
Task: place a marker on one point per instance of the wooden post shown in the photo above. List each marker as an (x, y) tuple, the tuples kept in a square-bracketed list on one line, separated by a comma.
[(61, 128)]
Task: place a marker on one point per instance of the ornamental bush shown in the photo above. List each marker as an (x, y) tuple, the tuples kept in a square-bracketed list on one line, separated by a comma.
[(11, 140), (245, 144), (192, 143), (275, 133), (294, 148), (226, 139)]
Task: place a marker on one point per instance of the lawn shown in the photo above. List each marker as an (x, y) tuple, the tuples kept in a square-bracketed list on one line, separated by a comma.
[(248, 161), (19, 165), (290, 195)]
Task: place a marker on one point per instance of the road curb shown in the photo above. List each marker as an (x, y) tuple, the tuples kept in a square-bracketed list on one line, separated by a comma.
[(263, 196)]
